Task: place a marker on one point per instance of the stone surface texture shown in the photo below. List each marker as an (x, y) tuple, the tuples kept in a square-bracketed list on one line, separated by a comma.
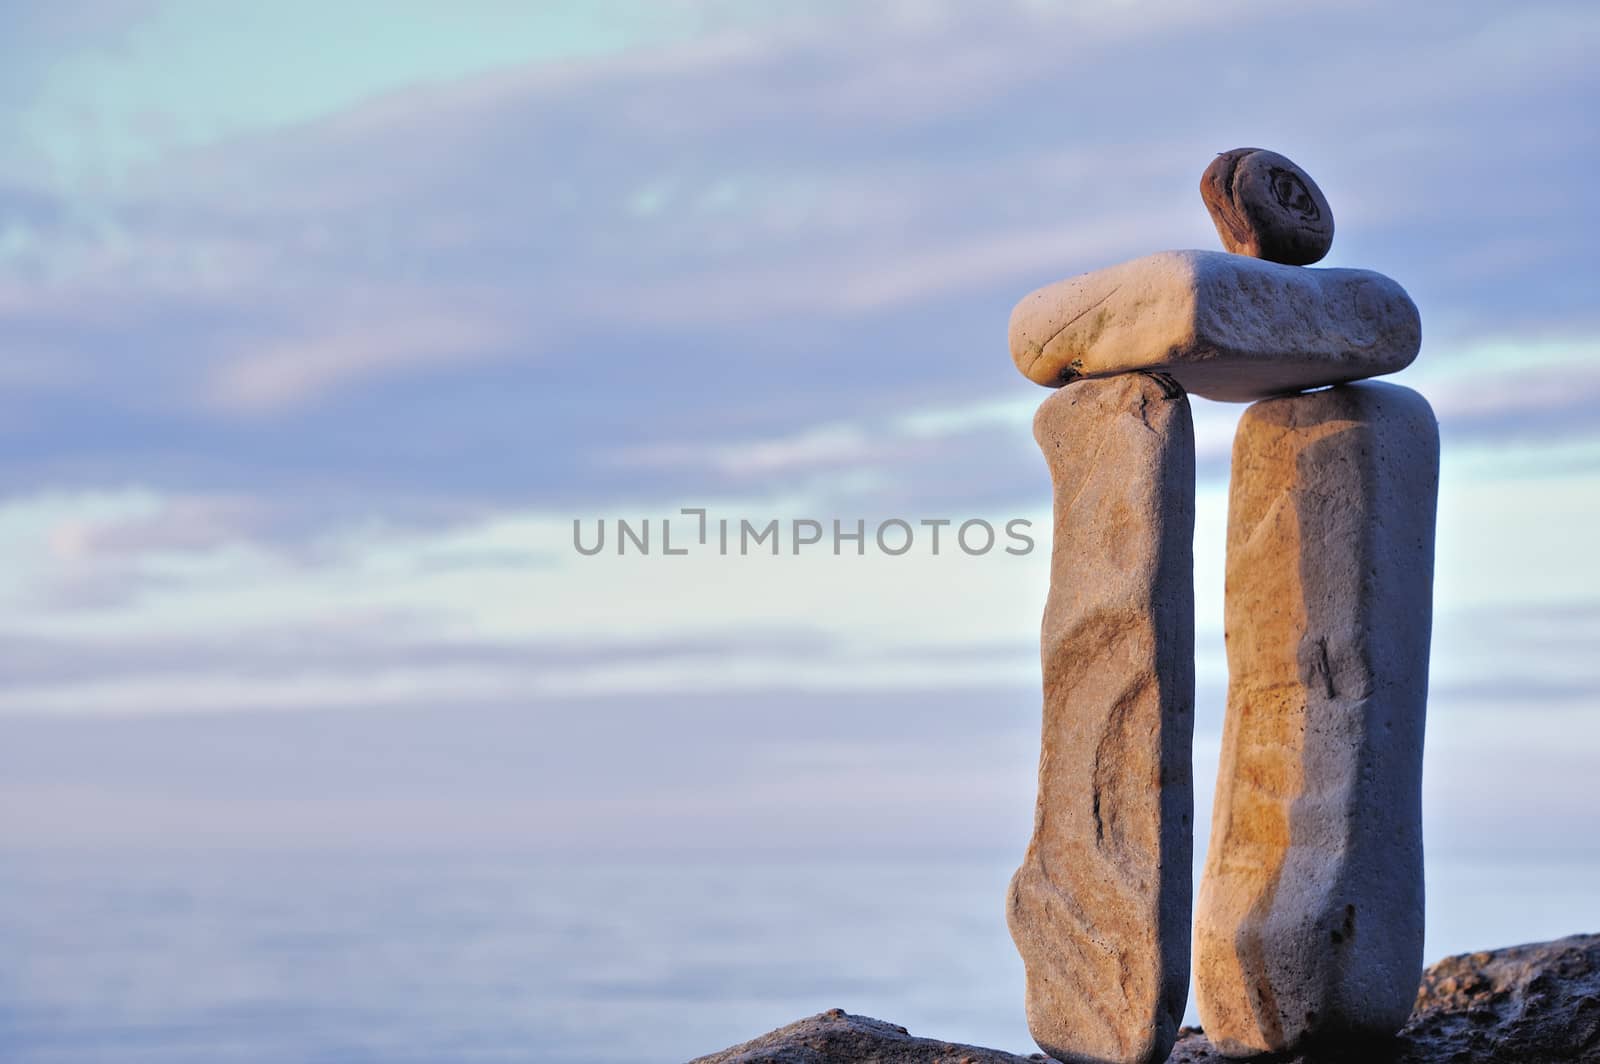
[(1524, 1003), (1309, 922), (1266, 207), (1099, 908), (1224, 326), (1534, 1004)]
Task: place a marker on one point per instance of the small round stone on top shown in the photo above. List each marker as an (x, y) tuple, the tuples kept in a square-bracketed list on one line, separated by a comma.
[(1266, 207)]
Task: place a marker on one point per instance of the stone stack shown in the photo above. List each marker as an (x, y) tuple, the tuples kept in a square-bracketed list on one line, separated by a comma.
[(1309, 924)]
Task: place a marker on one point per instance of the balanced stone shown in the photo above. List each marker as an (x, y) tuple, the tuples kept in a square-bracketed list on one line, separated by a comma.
[(1309, 923), (1224, 326), (1099, 908), (1266, 207)]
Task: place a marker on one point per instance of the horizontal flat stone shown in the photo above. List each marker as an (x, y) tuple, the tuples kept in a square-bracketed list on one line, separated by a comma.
[(1224, 326)]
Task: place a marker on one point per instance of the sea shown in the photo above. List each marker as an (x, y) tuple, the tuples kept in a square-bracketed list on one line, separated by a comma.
[(224, 958)]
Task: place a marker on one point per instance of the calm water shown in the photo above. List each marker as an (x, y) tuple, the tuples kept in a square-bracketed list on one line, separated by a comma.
[(429, 958)]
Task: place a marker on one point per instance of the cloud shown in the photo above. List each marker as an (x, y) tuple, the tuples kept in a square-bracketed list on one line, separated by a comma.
[(826, 445), (363, 368), (705, 253), (789, 172), (174, 524), (138, 604), (286, 373)]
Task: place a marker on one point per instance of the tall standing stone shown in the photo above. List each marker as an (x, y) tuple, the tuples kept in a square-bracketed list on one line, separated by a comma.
[(1309, 923), (1099, 909)]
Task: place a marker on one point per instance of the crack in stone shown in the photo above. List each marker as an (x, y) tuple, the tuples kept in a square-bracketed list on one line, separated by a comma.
[(1067, 325)]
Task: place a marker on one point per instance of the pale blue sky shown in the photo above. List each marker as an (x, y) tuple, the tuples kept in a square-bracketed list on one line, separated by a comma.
[(319, 328)]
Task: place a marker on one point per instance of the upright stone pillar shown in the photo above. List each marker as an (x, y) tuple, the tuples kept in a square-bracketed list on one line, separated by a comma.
[(1099, 909), (1309, 924)]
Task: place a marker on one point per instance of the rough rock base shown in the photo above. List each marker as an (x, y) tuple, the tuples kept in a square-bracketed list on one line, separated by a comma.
[(1522, 1005)]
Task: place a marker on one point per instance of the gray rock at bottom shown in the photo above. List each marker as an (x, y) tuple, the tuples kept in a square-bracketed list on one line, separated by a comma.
[(837, 1036), (1523, 1004), (1309, 923), (1519, 1005), (1099, 908)]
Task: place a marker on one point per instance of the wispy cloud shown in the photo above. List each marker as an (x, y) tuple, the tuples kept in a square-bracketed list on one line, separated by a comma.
[(790, 176), (286, 373)]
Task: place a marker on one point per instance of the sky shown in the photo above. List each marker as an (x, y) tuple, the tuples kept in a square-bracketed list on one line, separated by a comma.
[(320, 327)]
